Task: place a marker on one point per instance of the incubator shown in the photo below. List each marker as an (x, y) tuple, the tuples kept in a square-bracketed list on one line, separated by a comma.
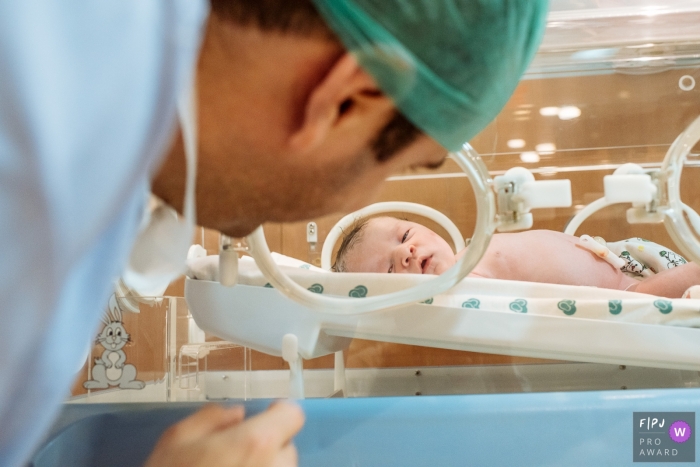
[(601, 138), (602, 133)]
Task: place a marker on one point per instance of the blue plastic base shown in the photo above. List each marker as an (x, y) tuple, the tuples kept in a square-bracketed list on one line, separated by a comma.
[(543, 429)]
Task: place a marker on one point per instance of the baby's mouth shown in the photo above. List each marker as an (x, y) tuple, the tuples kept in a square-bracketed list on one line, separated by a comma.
[(424, 264)]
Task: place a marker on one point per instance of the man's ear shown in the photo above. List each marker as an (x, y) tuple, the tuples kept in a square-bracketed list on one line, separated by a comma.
[(332, 99)]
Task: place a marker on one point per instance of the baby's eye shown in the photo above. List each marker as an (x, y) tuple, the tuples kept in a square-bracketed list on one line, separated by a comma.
[(405, 236), (391, 269)]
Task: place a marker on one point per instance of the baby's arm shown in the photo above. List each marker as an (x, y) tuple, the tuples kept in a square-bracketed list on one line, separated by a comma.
[(670, 283)]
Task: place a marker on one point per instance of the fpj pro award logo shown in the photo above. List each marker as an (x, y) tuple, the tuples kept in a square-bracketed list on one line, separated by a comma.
[(664, 437)]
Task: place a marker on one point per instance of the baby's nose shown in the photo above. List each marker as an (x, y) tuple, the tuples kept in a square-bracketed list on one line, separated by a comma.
[(407, 254)]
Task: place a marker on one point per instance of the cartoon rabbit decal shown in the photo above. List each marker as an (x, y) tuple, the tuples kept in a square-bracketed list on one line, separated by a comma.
[(109, 369)]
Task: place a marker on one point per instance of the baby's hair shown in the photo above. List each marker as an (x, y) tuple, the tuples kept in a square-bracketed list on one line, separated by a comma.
[(350, 239)]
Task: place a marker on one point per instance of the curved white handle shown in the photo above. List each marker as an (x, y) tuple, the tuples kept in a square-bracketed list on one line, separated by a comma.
[(617, 190), (388, 206), (468, 160), (584, 214)]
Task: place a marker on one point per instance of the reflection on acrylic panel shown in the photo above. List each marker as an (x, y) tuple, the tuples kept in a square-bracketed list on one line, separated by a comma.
[(110, 369), (128, 359), (606, 120), (624, 103), (151, 350)]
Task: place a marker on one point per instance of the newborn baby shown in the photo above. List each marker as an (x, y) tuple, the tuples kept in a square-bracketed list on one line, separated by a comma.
[(387, 244)]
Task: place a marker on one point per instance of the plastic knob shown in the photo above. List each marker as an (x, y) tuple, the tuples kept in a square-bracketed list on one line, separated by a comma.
[(524, 222), (629, 168), (515, 175), (640, 215)]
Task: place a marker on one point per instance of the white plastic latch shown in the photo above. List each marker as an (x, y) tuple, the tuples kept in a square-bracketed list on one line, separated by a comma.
[(518, 192), (312, 232), (228, 262), (630, 183), (290, 354), (312, 240), (630, 188), (229, 248)]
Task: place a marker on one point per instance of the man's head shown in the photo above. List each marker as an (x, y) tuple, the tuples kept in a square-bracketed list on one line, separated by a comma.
[(290, 125), (388, 244)]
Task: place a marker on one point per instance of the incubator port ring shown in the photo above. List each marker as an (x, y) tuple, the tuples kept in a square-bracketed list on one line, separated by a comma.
[(680, 220), (686, 83), (468, 160), (385, 207)]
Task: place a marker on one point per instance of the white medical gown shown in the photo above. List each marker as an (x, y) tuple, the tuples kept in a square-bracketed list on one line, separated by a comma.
[(87, 106)]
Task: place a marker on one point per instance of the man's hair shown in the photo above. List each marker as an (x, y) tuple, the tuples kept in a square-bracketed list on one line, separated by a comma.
[(350, 238), (300, 17)]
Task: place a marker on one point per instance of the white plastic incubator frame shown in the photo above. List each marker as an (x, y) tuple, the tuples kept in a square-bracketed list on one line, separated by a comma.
[(468, 160), (517, 192), (655, 195), (264, 320), (682, 222)]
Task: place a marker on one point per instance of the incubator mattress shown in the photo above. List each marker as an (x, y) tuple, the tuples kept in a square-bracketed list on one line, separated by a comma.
[(495, 295), (485, 315)]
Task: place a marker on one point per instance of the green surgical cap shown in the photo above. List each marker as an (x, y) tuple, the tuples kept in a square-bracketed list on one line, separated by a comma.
[(449, 65)]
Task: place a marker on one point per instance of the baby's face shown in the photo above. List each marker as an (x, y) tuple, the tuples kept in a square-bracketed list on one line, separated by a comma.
[(397, 246)]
